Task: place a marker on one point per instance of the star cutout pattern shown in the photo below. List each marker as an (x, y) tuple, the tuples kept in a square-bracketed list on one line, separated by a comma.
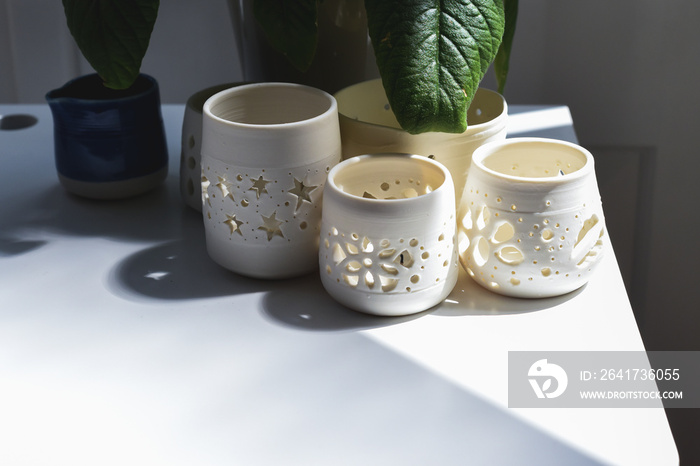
[(205, 191), (301, 191), (259, 186), (271, 226), (224, 185), (234, 224)]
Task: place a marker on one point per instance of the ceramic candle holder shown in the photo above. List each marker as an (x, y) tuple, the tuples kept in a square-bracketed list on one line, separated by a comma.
[(388, 233), (266, 151), (191, 146), (368, 126), (530, 220)]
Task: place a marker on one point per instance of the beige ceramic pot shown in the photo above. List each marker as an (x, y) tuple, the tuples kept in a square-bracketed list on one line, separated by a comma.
[(368, 126)]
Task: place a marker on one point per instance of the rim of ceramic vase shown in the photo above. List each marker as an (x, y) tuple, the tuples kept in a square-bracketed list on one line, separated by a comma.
[(54, 94), (494, 147), (221, 97), (378, 158), (196, 101), (475, 128)]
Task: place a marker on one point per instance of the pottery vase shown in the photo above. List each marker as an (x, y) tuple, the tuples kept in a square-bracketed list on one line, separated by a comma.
[(388, 234), (266, 151), (108, 144), (531, 220), (368, 126)]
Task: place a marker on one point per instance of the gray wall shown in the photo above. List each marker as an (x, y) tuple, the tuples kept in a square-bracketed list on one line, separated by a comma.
[(627, 69), (192, 47)]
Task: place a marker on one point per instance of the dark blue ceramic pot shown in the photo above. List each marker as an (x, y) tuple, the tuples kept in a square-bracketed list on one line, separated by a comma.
[(108, 144)]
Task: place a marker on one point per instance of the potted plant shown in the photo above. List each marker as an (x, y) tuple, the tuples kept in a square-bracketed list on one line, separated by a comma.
[(108, 129), (431, 54)]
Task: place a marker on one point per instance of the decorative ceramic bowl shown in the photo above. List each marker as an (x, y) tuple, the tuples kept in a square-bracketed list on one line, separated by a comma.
[(388, 234), (266, 151), (530, 220), (368, 126)]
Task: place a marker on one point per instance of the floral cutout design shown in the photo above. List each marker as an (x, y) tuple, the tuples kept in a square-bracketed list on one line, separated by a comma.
[(381, 266), (500, 246)]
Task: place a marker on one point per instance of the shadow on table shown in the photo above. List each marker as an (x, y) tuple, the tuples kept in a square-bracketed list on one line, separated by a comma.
[(304, 303), (148, 217), (10, 246), (470, 299), (180, 269)]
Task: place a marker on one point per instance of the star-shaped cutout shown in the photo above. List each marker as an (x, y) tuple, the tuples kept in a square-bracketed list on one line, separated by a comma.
[(205, 192), (271, 226), (233, 223), (301, 191), (224, 185), (259, 186)]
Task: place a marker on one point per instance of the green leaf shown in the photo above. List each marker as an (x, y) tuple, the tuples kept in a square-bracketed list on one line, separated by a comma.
[(113, 35), (502, 61), (290, 27), (431, 55)]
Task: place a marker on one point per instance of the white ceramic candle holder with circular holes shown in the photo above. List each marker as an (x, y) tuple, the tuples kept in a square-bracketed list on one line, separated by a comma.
[(368, 126), (530, 220), (388, 234), (266, 151), (191, 146)]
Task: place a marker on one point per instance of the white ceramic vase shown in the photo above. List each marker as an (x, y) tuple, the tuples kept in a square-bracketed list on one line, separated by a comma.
[(368, 126), (388, 234), (266, 151), (191, 146), (530, 220)]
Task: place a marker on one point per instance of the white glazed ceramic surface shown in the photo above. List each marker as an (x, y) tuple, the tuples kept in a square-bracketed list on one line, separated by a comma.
[(368, 126), (191, 146), (267, 149), (388, 234), (530, 220)]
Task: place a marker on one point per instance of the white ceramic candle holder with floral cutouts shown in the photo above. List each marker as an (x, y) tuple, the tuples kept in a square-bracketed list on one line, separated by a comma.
[(266, 151), (388, 234), (531, 221)]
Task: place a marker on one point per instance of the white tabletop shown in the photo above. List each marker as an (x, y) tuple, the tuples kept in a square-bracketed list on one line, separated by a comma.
[(121, 342)]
